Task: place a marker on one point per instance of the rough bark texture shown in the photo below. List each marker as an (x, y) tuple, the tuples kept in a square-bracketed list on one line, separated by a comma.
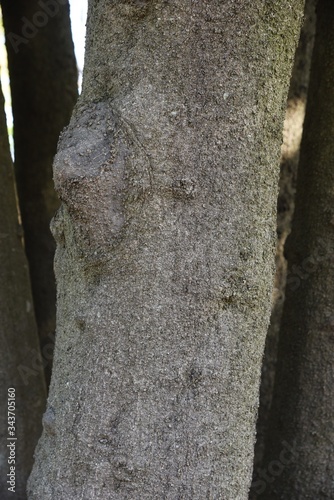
[(20, 365), (303, 402), (292, 134), (43, 78), (165, 250)]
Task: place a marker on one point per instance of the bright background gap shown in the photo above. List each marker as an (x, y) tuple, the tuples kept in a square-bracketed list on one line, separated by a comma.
[(78, 13)]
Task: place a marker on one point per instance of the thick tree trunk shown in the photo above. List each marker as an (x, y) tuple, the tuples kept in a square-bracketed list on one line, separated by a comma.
[(168, 176), (43, 78), (303, 403), (20, 366)]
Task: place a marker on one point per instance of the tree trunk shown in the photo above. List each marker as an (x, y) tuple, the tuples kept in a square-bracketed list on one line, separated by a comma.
[(165, 250), (43, 79), (292, 134), (21, 365), (303, 402)]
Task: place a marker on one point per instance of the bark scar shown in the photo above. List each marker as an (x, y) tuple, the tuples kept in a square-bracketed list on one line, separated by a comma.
[(90, 176)]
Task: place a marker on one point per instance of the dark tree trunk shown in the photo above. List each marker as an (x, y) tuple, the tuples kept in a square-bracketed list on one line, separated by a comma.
[(43, 78), (292, 133), (20, 365), (303, 402)]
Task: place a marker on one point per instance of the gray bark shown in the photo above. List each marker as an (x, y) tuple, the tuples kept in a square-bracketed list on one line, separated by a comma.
[(165, 250), (303, 401), (20, 365)]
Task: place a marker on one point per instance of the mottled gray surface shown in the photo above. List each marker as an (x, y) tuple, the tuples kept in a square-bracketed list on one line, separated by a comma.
[(166, 250)]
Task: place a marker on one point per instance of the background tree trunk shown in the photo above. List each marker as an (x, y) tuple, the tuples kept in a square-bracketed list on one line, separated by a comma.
[(43, 79), (292, 134), (165, 250), (21, 366), (303, 402)]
